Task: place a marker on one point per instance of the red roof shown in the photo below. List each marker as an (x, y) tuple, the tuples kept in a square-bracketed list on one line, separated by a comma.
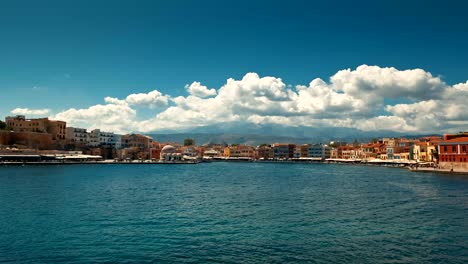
[(455, 140)]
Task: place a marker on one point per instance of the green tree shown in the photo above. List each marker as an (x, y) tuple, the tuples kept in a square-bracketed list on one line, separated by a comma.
[(189, 142), (4, 126)]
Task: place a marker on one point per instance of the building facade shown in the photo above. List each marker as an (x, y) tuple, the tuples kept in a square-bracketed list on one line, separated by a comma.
[(319, 151), (77, 135), (240, 151), (20, 123), (453, 153), (283, 151)]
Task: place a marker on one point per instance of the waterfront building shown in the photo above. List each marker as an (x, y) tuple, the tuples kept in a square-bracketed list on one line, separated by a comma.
[(401, 156), (373, 150), (169, 153), (399, 148), (137, 141), (334, 153), (19, 123), (419, 151), (453, 153), (264, 152), (189, 151), (200, 151), (301, 151), (350, 152), (382, 156), (155, 150), (32, 140), (94, 138), (211, 153), (136, 146), (391, 146), (424, 151), (283, 151), (297, 152), (318, 151), (77, 135), (452, 136), (240, 151), (100, 138)]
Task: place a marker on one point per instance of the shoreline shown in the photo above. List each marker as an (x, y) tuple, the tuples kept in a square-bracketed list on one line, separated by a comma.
[(386, 165)]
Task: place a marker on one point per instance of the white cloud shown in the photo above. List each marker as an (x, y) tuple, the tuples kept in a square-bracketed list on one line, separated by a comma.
[(152, 99), (27, 111), (352, 98), (199, 90), (119, 118), (388, 82), (113, 100)]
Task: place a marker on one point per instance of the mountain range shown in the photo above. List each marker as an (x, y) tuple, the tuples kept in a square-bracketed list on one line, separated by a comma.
[(267, 134)]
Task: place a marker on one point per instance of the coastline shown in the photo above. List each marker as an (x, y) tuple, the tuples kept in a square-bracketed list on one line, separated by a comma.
[(362, 163)]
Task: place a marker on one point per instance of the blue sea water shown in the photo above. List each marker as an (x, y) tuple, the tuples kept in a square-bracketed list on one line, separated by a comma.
[(231, 213)]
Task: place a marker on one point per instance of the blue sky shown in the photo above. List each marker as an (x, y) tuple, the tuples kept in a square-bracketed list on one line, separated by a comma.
[(71, 54)]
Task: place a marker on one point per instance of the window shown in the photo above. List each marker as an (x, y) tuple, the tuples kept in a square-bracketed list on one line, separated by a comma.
[(445, 149), (464, 149)]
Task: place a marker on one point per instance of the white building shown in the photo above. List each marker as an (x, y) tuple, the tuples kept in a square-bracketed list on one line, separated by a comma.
[(211, 153), (169, 153), (105, 139), (77, 135), (318, 151)]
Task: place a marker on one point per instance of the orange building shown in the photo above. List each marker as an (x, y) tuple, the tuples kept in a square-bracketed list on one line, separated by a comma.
[(240, 151), (373, 150)]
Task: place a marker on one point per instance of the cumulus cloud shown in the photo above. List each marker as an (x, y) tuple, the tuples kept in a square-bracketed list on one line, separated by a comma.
[(27, 111), (152, 99), (352, 98), (119, 118), (199, 90), (113, 100), (388, 82)]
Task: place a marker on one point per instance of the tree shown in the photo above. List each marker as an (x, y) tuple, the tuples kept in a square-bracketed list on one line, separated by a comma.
[(435, 153), (4, 126), (189, 142)]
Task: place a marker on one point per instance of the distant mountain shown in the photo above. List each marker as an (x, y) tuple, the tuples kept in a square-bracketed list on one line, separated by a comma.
[(249, 139), (254, 135)]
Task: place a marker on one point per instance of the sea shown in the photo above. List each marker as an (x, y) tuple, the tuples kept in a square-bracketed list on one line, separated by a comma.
[(231, 213)]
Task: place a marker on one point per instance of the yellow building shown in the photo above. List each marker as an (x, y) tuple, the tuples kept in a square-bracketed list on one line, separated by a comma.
[(239, 151), (56, 128)]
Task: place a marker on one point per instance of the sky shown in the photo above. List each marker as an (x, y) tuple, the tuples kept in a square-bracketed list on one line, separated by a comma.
[(148, 66)]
